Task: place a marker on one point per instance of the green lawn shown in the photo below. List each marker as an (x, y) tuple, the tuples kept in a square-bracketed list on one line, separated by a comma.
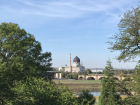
[(78, 81)]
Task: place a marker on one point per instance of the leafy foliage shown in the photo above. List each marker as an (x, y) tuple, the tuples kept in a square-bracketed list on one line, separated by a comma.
[(99, 72), (88, 71), (75, 76), (127, 41), (86, 98), (39, 92), (108, 94), (69, 76), (20, 56), (21, 67)]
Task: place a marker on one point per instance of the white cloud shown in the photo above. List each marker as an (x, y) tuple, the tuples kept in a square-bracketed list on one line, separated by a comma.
[(67, 9)]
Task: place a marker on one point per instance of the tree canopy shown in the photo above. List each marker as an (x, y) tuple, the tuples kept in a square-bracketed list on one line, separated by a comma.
[(128, 40), (20, 56), (109, 94)]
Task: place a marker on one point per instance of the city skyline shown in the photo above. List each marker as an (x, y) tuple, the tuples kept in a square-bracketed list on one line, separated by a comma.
[(78, 27)]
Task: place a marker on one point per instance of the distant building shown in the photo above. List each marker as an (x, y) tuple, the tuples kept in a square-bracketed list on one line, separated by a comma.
[(76, 67), (94, 70)]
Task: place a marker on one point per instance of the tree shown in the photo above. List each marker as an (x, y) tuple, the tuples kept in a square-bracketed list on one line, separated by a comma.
[(86, 98), (133, 84), (128, 40), (128, 43), (84, 73), (124, 72), (99, 72), (88, 71), (75, 76), (20, 57), (63, 74), (108, 94), (137, 69), (66, 73), (61, 71), (69, 76), (79, 73), (39, 92)]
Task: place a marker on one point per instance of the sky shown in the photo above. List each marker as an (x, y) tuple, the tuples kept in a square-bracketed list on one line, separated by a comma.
[(79, 27)]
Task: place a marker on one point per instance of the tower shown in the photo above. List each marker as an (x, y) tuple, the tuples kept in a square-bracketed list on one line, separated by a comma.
[(70, 64)]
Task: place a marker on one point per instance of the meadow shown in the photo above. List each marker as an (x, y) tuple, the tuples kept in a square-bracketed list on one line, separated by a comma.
[(72, 81)]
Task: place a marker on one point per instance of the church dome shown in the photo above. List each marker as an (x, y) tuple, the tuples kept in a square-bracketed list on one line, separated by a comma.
[(76, 59)]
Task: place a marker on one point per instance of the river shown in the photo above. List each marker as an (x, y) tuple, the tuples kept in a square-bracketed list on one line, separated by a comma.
[(95, 93)]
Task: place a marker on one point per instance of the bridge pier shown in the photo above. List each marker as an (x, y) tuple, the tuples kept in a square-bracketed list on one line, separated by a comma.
[(96, 77)]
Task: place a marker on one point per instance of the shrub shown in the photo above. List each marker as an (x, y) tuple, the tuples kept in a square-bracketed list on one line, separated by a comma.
[(86, 98), (75, 76), (39, 92), (127, 79), (69, 76)]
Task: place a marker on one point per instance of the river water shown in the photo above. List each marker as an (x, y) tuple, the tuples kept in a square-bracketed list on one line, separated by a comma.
[(95, 93)]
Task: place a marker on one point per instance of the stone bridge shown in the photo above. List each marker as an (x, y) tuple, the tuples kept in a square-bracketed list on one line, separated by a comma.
[(98, 76)]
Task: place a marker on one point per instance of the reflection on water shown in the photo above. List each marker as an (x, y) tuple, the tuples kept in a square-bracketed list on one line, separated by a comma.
[(92, 93), (95, 93)]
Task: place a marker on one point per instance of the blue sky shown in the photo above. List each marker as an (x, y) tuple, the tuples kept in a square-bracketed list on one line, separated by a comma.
[(79, 27)]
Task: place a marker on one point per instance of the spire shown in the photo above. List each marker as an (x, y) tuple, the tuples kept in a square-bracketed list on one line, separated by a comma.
[(70, 62)]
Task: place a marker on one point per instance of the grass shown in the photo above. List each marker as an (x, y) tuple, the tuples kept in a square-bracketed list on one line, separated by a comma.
[(79, 85), (78, 81)]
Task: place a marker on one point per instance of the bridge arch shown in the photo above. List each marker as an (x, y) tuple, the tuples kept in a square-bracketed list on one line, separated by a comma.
[(115, 78), (90, 78), (100, 78), (81, 78)]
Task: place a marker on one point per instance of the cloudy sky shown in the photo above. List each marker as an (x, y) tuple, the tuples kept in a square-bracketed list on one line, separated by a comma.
[(79, 27)]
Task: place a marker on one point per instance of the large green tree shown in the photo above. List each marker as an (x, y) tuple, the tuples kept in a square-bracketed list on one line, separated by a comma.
[(108, 94), (20, 56), (132, 87), (128, 40)]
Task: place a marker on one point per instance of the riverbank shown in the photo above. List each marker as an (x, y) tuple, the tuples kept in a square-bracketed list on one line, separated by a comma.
[(79, 85), (97, 97)]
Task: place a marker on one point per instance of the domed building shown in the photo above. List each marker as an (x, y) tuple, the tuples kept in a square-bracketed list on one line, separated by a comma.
[(76, 62), (76, 67)]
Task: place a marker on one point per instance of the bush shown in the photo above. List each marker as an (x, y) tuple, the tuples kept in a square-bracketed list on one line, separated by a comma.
[(39, 92), (68, 76), (86, 98), (75, 76), (127, 79), (131, 100)]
